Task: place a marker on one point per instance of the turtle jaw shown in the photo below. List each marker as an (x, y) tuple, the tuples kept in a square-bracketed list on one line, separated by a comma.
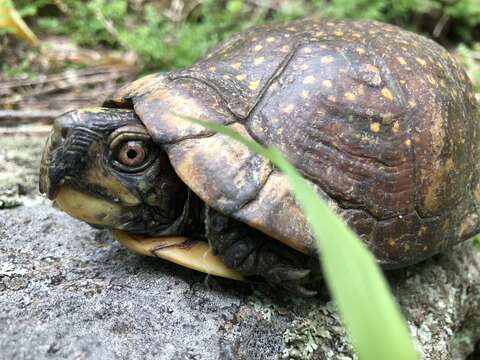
[(86, 207)]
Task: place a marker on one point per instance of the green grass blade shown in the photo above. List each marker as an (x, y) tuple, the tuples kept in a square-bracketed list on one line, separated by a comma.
[(367, 308)]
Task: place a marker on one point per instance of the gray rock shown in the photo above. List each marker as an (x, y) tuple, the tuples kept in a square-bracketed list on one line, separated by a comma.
[(69, 291)]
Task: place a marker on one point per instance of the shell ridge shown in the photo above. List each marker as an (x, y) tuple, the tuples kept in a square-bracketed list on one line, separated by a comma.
[(172, 77), (276, 74), (257, 192)]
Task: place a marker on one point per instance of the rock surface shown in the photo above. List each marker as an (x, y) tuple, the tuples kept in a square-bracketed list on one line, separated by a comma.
[(69, 291)]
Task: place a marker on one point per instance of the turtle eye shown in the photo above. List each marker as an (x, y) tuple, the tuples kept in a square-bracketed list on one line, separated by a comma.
[(133, 155)]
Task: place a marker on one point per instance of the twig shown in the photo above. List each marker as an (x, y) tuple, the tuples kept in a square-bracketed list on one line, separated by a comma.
[(69, 83), (67, 75), (26, 130), (437, 31), (29, 114)]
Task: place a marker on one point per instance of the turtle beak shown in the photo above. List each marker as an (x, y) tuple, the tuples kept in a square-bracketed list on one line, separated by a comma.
[(47, 184), (62, 157)]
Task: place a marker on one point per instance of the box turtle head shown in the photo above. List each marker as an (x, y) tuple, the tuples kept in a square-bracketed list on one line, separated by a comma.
[(101, 166)]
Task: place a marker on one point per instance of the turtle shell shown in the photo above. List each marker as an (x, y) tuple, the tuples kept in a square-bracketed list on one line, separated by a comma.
[(383, 123)]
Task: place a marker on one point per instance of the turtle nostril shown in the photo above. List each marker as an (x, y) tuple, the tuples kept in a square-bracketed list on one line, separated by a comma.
[(64, 133), (60, 129)]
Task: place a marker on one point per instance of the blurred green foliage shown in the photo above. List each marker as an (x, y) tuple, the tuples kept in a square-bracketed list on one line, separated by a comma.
[(173, 33), (470, 58), (476, 240)]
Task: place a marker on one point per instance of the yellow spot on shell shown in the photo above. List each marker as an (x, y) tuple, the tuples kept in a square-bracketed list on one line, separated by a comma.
[(259, 60), (349, 96), (338, 33), (236, 66), (212, 68), (401, 60), (241, 77), (288, 109), (431, 80), (360, 50), (396, 127), (327, 83), (421, 61), (270, 39), (332, 98), (326, 59), (225, 77), (387, 94), (258, 47), (254, 85), (408, 142), (412, 103), (305, 94), (357, 35), (310, 79), (375, 126)]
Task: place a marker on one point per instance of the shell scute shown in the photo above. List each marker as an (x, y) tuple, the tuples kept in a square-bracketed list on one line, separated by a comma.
[(358, 139), (242, 67)]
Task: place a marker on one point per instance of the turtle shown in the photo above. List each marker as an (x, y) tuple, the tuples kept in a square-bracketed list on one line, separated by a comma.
[(382, 122)]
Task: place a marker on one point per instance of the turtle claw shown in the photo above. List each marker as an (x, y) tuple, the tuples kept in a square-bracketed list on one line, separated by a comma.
[(290, 279), (287, 273), (301, 290)]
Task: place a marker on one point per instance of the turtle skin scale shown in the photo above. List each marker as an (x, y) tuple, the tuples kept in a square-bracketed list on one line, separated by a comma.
[(382, 122)]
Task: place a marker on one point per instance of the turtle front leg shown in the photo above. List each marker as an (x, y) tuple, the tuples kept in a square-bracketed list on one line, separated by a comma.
[(253, 253)]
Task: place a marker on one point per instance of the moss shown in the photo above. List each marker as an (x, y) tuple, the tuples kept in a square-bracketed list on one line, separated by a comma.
[(262, 304), (317, 333)]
